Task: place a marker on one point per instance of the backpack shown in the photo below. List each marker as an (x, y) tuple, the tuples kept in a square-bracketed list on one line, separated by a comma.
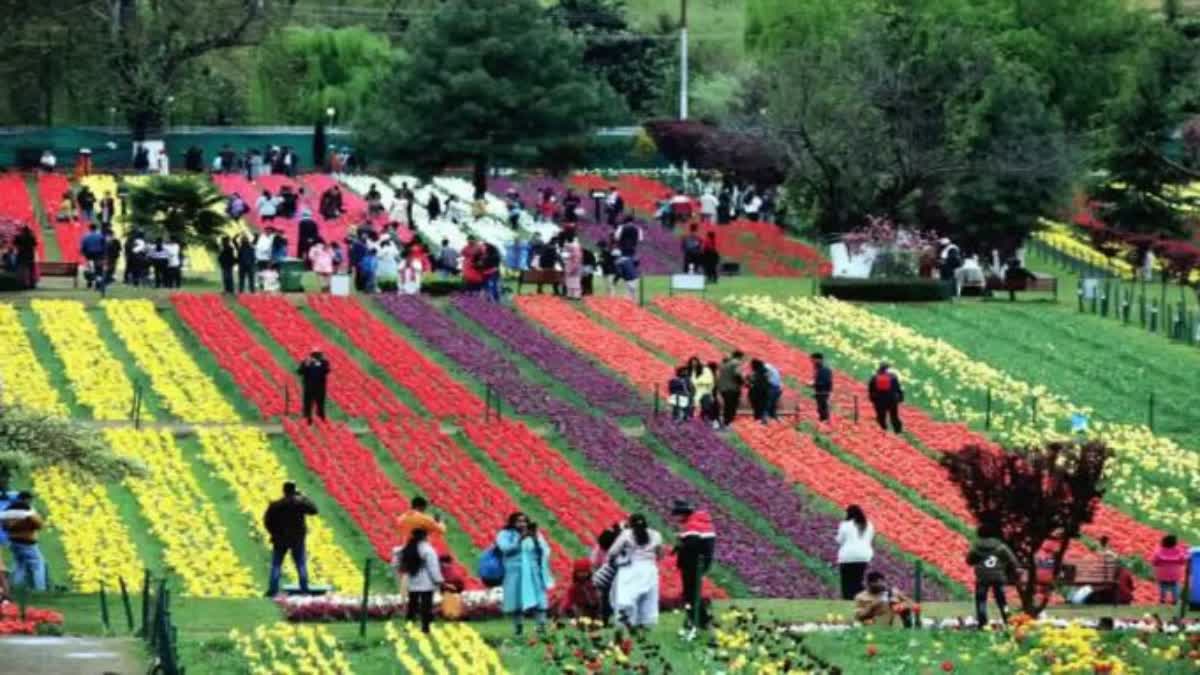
[(491, 257), (491, 568), (883, 383), (692, 244)]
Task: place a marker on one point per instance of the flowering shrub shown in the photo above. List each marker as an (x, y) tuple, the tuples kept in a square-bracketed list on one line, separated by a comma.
[(95, 540)]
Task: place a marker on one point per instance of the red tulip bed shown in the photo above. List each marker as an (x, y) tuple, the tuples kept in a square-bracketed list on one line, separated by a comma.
[(51, 187), (526, 459), (798, 456), (764, 250), (34, 621), (886, 453), (15, 205), (728, 469)]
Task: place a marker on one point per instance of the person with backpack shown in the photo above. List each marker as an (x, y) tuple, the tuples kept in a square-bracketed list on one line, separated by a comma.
[(527, 580), (420, 564), (636, 553), (694, 553), (886, 395), (995, 565), (693, 250), (629, 235)]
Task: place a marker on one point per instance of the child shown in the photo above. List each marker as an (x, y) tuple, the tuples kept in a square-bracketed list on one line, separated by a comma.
[(679, 389), (582, 598), (454, 580), (1169, 561)]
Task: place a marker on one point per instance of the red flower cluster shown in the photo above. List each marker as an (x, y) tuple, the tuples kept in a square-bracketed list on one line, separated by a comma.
[(764, 250), (12, 624), (15, 205), (51, 187)]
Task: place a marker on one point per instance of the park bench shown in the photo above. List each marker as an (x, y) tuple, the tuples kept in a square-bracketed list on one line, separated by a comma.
[(60, 269), (1100, 573), (539, 277), (1036, 281)]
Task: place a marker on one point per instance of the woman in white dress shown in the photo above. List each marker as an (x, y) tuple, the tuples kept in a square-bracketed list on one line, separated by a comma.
[(635, 554), (387, 274), (411, 270)]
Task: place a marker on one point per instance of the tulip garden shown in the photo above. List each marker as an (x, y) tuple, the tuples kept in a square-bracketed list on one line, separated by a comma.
[(556, 408)]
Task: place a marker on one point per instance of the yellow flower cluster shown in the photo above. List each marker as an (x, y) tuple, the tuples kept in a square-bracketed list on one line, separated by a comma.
[(1152, 474), (97, 544), (241, 456), (290, 649), (195, 543), (97, 379), (1061, 651), (1062, 237), (449, 648), (175, 377)]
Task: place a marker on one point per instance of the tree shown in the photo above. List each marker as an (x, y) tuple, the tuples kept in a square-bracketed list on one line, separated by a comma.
[(190, 210), (31, 440), (301, 72), (738, 154), (1039, 498), (632, 62), (488, 81)]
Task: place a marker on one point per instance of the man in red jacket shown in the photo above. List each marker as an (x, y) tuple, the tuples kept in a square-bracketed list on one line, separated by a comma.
[(471, 273), (693, 557)]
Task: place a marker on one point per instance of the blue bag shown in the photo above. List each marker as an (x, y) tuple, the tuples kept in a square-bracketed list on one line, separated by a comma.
[(491, 568)]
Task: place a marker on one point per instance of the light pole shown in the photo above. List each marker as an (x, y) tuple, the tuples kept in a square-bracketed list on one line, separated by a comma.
[(330, 112), (683, 76)]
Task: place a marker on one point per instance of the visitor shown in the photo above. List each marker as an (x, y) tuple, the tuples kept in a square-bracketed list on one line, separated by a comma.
[(571, 202), (725, 205), (693, 556), (489, 263), (729, 387), (635, 554), (433, 207), (368, 269), (411, 271), (236, 207), (950, 259), (549, 259), (693, 248), (883, 389), (604, 573), (226, 259), (87, 204), (247, 264), (266, 206), (21, 523), (608, 267), (680, 394), (158, 261), (285, 523), (264, 244), (417, 516), (108, 209), (995, 565), (1016, 277), (471, 272), (752, 206), (583, 599), (387, 269), (708, 207), (314, 374), (112, 255), (526, 557), (286, 203), (627, 271), (710, 258), (308, 233), (703, 382), (320, 258), (93, 250), (614, 206), (759, 391), (48, 161), (374, 201), (775, 390), (587, 281), (174, 263), (331, 203), (880, 603), (447, 260), (1170, 564), (26, 244), (66, 208), (854, 539), (822, 385), (421, 567), (628, 236), (279, 249), (573, 267)]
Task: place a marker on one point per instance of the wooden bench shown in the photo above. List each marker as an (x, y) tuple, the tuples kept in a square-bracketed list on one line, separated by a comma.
[(60, 269), (1095, 572), (1036, 281), (539, 277)]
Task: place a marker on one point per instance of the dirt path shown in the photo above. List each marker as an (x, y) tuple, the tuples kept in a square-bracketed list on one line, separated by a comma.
[(71, 655)]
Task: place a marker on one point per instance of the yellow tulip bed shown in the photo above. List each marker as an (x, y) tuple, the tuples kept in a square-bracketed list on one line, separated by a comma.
[(97, 543), (1152, 475), (241, 456), (195, 543), (449, 648), (1061, 237), (287, 648)]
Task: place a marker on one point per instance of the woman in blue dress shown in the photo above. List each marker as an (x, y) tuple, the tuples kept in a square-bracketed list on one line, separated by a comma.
[(527, 579)]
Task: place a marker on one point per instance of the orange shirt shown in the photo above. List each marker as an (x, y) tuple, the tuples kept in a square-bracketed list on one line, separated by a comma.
[(411, 520)]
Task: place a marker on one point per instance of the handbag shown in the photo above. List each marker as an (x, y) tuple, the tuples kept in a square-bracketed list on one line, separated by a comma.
[(491, 568), (452, 606)]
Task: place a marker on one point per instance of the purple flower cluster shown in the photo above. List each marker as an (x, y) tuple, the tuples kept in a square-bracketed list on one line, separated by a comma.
[(764, 568), (739, 475)]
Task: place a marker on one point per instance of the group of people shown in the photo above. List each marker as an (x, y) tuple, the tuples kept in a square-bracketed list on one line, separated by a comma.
[(254, 162), (716, 390), (158, 263)]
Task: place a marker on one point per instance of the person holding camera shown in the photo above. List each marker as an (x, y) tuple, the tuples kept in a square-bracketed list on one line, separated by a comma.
[(314, 374), (285, 522), (880, 603), (527, 580)]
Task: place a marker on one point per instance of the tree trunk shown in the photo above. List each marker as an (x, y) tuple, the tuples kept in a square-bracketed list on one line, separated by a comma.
[(479, 176)]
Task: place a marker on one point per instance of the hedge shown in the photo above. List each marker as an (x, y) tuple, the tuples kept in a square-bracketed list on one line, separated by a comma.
[(888, 290)]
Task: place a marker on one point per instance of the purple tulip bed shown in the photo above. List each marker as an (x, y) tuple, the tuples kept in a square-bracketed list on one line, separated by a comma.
[(762, 566)]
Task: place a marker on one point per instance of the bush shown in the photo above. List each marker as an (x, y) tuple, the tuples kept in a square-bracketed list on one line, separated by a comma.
[(887, 290)]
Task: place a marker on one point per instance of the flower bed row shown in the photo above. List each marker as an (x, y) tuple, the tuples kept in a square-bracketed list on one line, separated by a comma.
[(31, 621), (289, 648), (883, 452), (1151, 476), (448, 648), (97, 380), (577, 504), (476, 604), (50, 187), (95, 541), (761, 565), (914, 533), (15, 205)]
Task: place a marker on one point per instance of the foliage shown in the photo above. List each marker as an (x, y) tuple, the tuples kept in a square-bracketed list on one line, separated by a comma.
[(1035, 497), (631, 61), (32, 440), (1136, 192), (903, 289), (739, 154), (301, 72), (487, 82), (190, 210)]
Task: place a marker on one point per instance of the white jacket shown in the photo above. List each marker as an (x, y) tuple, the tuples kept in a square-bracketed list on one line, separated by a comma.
[(855, 546)]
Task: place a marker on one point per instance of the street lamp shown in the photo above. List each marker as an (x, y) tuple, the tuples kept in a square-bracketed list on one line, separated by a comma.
[(331, 112)]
